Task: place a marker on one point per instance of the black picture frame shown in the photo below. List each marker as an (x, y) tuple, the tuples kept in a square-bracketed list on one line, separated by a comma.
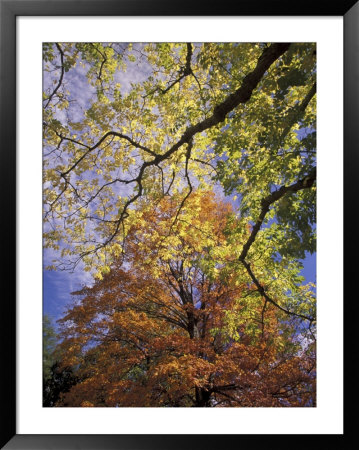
[(9, 10)]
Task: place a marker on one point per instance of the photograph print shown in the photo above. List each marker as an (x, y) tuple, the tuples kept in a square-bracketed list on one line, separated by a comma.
[(179, 224)]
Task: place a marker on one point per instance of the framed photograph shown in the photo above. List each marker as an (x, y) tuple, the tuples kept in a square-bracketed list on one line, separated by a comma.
[(174, 185)]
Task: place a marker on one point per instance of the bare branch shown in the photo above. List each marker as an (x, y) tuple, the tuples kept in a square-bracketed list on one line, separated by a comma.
[(61, 76), (184, 72), (104, 59), (109, 133), (188, 156)]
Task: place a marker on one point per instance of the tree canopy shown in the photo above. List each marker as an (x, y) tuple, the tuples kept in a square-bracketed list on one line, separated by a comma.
[(182, 176)]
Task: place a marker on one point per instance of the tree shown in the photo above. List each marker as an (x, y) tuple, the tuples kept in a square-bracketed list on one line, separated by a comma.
[(48, 344), (59, 381), (56, 379), (242, 114), (168, 327), (232, 118)]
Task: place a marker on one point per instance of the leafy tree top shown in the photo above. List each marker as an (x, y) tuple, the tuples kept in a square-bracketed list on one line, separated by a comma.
[(240, 115)]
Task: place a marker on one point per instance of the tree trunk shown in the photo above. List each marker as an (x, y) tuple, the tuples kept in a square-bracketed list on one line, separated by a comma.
[(202, 397)]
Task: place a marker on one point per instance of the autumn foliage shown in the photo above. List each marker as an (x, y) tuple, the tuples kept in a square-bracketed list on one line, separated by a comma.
[(181, 178), (164, 327)]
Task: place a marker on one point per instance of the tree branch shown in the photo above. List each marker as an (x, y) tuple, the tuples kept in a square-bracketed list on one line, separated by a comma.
[(184, 71), (262, 291), (109, 133), (306, 182), (61, 76), (298, 111), (240, 96)]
